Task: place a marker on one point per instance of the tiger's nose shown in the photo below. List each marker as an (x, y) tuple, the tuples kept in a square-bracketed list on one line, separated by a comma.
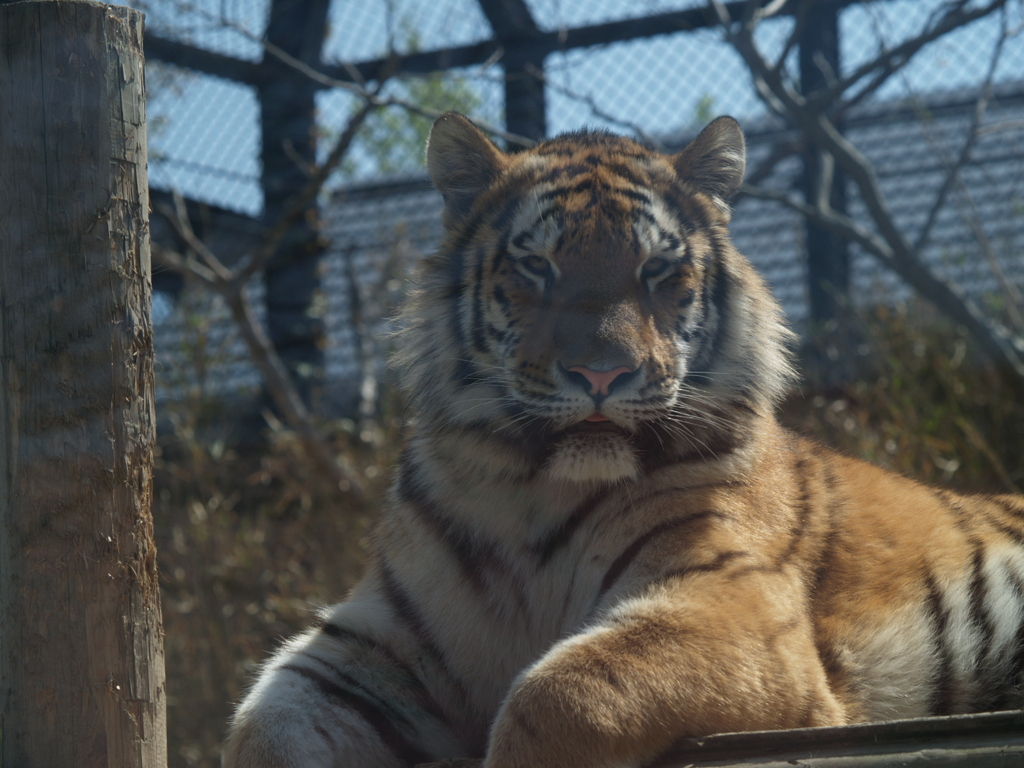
[(600, 381)]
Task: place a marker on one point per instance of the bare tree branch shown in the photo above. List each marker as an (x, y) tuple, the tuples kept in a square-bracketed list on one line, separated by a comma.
[(809, 116), (829, 218), (231, 285), (595, 109), (953, 168), (384, 101), (298, 204), (894, 59)]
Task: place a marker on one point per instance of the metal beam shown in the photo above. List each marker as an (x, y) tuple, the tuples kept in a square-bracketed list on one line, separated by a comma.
[(828, 254), (200, 60), (510, 19), (288, 122), (539, 46), (515, 29)]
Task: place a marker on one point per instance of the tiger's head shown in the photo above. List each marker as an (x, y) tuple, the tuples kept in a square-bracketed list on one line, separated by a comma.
[(586, 304)]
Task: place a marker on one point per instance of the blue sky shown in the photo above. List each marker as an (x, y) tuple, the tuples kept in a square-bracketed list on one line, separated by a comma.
[(204, 136)]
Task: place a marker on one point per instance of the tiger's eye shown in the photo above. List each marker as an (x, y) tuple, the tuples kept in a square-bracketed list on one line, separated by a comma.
[(535, 267), (655, 269)]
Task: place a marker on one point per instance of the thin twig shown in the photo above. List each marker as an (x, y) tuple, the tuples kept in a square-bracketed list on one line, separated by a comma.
[(953, 168), (894, 59), (994, 337), (358, 87), (298, 204), (231, 284), (597, 111), (829, 218), (178, 217)]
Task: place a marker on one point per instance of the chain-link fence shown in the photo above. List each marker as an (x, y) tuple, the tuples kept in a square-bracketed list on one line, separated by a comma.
[(657, 70)]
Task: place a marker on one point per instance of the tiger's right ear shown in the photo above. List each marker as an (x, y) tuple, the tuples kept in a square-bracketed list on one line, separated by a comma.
[(714, 162), (462, 162)]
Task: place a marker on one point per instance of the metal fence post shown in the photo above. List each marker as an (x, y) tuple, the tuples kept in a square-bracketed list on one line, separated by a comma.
[(828, 258), (515, 28), (295, 304)]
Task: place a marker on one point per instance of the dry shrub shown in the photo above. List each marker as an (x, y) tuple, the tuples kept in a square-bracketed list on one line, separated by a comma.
[(251, 542), (923, 402)]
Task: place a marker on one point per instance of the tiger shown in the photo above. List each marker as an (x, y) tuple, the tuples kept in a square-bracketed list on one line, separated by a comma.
[(600, 540)]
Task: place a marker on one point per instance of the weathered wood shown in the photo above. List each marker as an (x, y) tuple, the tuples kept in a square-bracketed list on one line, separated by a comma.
[(81, 647)]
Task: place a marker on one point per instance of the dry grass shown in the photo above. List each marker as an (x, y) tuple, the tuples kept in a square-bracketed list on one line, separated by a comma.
[(250, 545), (250, 542), (924, 404)]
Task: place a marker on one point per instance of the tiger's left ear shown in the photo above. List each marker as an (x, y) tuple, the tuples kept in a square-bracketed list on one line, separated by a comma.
[(714, 162), (462, 162)]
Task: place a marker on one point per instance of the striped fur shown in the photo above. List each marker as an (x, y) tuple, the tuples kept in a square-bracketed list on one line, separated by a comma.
[(600, 540)]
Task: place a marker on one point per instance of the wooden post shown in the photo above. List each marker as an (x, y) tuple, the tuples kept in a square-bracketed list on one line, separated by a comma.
[(81, 647)]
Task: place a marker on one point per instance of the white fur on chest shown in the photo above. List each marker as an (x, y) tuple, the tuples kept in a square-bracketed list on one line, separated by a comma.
[(497, 586)]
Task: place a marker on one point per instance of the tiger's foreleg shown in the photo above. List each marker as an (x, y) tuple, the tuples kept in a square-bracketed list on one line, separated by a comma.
[(694, 657), (341, 695)]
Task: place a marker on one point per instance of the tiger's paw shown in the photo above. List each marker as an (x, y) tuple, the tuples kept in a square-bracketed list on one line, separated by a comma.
[(283, 725)]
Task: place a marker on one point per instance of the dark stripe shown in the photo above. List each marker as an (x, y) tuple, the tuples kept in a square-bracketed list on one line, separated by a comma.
[(645, 216), (423, 697), (803, 512), (1016, 516), (456, 264), (825, 563), (829, 542), (714, 484), (407, 612), (706, 356), (464, 238), (1010, 696), (720, 562), (370, 711), (351, 636), (503, 220), (981, 619), (625, 559), (496, 333), (474, 555), (1010, 532), (689, 212), (466, 374), (502, 298), (629, 175), (1007, 506), (834, 669), (352, 685), (744, 405), (944, 693), (476, 311), (567, 172), (519, 241), (562, 535), (705, 447), (632, 194), (471, 555), (962, 519)]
